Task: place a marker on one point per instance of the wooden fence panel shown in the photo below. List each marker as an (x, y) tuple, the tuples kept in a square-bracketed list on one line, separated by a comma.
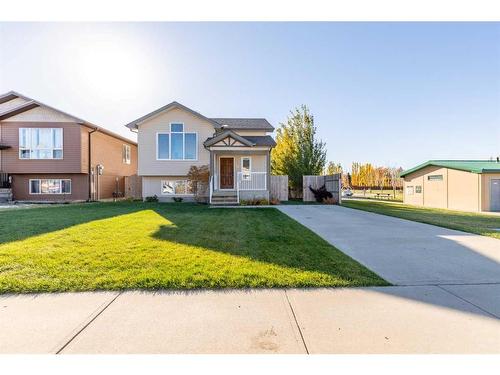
[(133, 187), (331, 182), (279, 188)]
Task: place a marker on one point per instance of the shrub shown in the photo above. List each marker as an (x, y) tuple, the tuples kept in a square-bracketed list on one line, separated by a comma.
[(321, 194), (274, 201), (154, 198), (254, 202), (330, 201)]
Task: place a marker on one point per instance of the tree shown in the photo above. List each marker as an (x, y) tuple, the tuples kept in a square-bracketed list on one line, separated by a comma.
[(298, 152), (199, 178), (332, 168)]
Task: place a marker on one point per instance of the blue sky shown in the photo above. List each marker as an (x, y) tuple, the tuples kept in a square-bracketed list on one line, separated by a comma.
[(393, 94)]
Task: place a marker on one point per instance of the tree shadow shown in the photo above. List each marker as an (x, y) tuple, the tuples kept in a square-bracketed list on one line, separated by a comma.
[(263, 235)]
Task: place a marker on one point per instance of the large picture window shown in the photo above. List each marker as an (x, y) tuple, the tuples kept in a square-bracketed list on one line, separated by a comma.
[(50, 186), (177, 187), (40, 143), (177, 145)]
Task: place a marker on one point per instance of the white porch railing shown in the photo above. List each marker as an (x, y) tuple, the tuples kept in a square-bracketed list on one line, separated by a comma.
[(252, 181), (211, 185)]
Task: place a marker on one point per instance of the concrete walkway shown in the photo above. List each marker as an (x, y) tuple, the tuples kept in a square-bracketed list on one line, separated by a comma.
[(410, 319)]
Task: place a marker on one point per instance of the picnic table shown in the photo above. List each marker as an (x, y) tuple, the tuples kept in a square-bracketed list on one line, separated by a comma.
[(386, 196)]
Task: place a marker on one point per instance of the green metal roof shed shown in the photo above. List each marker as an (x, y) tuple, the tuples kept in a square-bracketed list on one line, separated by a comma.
[(474, 166)]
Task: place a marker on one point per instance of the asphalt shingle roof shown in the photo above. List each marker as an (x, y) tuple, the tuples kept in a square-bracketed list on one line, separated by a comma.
[(245, 123), (474, 166)]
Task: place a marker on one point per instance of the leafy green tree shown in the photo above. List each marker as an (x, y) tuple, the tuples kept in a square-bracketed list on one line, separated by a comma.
[(298, 152), (332, 168)]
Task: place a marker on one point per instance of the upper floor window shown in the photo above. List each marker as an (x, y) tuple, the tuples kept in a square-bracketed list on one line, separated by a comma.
[(126, 154), (435, 177), (177, 145), (40, 143)]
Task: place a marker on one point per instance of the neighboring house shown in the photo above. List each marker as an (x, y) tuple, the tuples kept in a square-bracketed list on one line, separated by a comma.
[(174, 138), (466, 185), (49, 155)]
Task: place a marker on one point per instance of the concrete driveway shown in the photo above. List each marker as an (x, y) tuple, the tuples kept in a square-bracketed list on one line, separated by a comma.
[(404, 252)]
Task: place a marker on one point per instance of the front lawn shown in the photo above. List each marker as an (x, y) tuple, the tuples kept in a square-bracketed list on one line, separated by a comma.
[(152, 246), (465, 221)]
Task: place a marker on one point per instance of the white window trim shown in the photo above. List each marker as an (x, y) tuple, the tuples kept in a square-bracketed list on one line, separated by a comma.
[(128, 154), (31, 149), (174, 195), (410, 190), (249, 169), (60, 186), (183, 144)]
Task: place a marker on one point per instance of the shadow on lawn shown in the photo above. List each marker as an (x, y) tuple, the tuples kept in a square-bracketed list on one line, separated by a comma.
[(265, 235), (19, 224)]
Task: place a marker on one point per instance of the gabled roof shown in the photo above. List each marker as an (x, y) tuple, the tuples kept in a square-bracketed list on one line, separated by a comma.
[(31, 103), (228, 133), (474, 166), (250, 141), (134, 124), (245, 123)]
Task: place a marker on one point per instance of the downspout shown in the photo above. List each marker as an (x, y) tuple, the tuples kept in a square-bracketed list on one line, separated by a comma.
[(90, 163)]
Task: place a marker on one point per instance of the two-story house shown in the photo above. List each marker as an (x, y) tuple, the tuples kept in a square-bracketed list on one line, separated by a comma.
[(49, 155), (174, 138)]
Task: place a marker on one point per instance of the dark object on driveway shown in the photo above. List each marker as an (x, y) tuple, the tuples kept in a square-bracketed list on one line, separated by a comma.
[(321, 194)]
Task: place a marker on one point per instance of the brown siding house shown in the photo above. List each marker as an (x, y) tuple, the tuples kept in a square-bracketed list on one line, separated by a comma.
[(49, 155)]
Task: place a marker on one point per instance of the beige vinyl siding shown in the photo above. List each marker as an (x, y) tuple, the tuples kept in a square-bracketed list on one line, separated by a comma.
[(43, 114), (148, 130)]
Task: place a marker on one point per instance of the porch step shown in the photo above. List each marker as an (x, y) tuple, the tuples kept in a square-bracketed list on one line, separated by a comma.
[(5, 195)]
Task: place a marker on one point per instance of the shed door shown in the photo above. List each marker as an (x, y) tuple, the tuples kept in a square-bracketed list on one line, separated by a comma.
[(495, 195)]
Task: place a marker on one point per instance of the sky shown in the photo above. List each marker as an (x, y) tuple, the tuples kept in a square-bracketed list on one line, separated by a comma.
[(392, 94)]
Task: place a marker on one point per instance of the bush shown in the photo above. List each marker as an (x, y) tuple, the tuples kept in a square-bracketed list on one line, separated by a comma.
[(154, 198), (178, 199), (321, 194), (274, 201), (330, 201), (254, 202)]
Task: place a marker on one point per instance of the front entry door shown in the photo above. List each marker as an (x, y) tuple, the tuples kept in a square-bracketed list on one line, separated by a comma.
[(495, 195), (226, 173)]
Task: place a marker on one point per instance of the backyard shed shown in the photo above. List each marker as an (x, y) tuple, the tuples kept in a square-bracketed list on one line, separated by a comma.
[(466, 185)]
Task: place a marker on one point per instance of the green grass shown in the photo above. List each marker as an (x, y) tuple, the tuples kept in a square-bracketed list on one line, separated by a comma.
[(482, 224), (111, 246), (372, 194)]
